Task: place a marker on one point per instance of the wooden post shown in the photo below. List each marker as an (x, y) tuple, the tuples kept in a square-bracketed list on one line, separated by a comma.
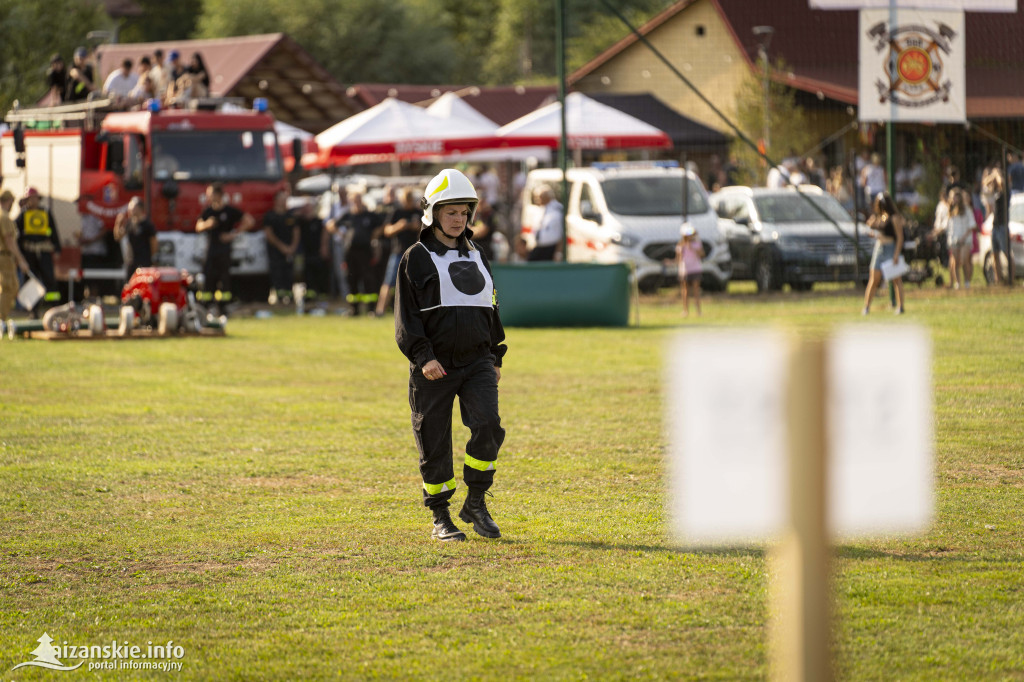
[(801, 628)]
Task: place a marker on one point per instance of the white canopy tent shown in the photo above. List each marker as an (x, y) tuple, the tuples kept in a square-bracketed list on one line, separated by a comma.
[(394, 130), (589, 125), (454, 110)]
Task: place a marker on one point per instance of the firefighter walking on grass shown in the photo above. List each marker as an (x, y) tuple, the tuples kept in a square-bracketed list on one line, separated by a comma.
[(447, 324)]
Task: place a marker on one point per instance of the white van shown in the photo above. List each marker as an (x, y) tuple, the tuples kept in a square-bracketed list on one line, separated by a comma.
[(633, 213)]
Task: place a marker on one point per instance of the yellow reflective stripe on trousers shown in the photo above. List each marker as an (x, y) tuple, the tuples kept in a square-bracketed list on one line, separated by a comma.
[(479, 464), (438, 488)]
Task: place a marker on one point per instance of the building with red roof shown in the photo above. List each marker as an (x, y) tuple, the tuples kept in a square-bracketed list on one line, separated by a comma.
[(713, 43)]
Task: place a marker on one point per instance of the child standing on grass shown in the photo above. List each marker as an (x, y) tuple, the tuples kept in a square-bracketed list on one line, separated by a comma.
[(689, 253)]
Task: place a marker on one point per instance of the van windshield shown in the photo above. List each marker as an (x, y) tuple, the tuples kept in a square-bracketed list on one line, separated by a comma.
[(216, 155), (647, 196), (793, 208)]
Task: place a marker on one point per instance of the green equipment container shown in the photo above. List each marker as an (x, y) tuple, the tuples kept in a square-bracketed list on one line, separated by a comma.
[(563, 294)]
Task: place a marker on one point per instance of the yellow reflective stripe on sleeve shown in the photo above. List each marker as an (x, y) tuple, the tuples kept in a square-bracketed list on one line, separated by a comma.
[(438, 488), (479, 464)]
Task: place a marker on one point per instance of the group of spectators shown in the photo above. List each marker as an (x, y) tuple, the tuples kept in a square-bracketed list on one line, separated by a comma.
[(796, 171), (168, 80), (362, 247), (961, 207), (352, 253)]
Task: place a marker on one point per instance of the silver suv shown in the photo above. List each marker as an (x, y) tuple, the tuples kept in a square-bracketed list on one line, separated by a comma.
[(632, 213), (778, 237)]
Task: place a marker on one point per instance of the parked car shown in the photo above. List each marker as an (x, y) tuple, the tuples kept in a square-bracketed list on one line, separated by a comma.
[(983, 257), (633, 213), (777, 236)]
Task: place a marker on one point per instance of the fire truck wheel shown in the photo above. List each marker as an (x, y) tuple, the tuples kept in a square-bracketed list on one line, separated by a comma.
[(127, 322), (97, 325), (168, 323)]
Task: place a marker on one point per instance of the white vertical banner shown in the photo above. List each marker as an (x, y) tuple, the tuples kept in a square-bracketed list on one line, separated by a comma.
[(912, 66)]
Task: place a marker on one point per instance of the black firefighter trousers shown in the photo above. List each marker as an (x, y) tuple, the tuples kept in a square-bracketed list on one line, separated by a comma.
[(432, 402)]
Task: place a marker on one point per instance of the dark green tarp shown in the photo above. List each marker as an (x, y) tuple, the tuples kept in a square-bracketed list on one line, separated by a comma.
[(563, 294)]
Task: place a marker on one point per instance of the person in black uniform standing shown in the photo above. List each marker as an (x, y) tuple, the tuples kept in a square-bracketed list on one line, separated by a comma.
[(39, 243), (282, 230), (222, 223), (362, 228), (447, 324)]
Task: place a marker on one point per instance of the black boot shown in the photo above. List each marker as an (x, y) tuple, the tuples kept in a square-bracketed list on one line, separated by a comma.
[(474, 511), (445, 529)]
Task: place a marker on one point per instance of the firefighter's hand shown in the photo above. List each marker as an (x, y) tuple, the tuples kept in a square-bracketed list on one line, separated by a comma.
[(497, 373), (433, 370)]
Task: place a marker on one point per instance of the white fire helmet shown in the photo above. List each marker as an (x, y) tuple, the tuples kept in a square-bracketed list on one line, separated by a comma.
[(448, 187)]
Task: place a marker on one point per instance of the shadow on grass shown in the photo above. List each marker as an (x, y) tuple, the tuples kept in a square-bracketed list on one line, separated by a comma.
[(663, 549), (937, 554)]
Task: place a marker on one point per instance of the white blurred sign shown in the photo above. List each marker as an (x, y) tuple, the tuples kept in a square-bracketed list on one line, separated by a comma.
[(880, 430), (966, 5), (912, 66), (726, 402), (727, 427)]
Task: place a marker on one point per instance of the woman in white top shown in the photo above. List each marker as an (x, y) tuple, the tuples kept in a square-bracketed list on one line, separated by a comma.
[(960, 227)]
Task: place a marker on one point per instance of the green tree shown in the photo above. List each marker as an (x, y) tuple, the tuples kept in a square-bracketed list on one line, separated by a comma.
[(598, 30), (524, 40), (163, 20), (789, 131), (32, 31), (365, 41), (470, 24)]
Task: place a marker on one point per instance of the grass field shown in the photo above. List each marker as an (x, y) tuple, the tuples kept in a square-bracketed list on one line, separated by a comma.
[(255, 499)]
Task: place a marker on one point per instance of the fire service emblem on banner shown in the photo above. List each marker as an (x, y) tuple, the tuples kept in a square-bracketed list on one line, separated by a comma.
[(914, 66), (917, 68)]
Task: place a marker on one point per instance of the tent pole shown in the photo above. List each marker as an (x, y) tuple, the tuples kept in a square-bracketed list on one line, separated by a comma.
[(563, 146)]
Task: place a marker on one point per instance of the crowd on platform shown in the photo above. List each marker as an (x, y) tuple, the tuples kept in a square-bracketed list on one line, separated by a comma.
[(167, 79)]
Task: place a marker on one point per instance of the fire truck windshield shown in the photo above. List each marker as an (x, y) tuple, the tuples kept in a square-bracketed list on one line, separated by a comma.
[(216, 155)]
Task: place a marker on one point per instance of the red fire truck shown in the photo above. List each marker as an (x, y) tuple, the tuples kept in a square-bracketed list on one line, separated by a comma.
[(89, 161)]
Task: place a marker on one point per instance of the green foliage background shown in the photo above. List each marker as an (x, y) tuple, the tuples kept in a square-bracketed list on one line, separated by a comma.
[(789, 129), (31, 32)]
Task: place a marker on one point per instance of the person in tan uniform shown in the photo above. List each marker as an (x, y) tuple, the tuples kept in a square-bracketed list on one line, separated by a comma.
[(10, 255)]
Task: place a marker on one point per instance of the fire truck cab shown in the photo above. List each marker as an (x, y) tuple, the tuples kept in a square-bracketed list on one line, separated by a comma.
[(89, 161)]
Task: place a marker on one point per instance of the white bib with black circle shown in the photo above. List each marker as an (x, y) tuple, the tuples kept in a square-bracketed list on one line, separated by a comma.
[(464, 280)]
